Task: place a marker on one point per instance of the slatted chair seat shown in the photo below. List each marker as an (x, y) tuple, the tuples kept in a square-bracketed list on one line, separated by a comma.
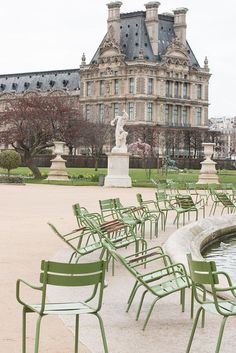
[(62, 308)]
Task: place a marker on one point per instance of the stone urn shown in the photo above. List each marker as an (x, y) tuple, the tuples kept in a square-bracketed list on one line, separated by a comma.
[(208, 173), (58, 170)]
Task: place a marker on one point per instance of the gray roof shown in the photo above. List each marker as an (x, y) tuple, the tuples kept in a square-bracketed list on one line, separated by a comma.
[(41, 81), (134, 36)]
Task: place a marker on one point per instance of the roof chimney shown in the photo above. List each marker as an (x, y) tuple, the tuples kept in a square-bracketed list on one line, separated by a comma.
[(113, 20), (152, 24), (180, 24)]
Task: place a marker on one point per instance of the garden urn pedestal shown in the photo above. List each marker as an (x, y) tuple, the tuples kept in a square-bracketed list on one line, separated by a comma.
[(208, 173), (58, 170)]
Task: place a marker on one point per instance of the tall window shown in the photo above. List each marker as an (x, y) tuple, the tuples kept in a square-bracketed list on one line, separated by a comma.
[(88, 88), (184, 116), (131, 85), (167, 88), (149, 111), (167, 112), (185, 90), (101, 113), (199, 91), (102, 87), (116, 87), (131, 110), (175, 115), (115, 109), (150, 86), (176, 89), (88, 112), (199, 116)]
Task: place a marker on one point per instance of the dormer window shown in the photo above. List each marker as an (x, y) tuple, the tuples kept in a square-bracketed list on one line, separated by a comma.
[(51, 83), (65, 83), (14, 86)]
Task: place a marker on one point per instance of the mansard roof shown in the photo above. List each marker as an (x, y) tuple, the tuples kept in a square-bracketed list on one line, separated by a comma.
[(134, 37), (68, 80)]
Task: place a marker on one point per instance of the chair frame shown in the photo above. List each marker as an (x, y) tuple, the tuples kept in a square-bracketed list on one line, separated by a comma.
[(204, 274), (66, 275)]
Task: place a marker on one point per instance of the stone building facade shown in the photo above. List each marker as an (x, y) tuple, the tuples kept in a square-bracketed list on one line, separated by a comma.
[(144, 65)]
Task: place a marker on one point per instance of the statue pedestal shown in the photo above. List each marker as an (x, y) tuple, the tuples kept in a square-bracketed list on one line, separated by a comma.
[(58, 170), (208, 173), (118, 170)]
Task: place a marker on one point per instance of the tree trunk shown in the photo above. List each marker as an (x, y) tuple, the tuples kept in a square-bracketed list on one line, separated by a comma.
[(34, 169), (96, 164)]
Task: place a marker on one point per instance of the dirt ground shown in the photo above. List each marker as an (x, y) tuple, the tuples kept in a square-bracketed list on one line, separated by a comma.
[(26, 239)]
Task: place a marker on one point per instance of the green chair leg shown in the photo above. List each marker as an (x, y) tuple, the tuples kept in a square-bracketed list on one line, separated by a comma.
[(149, 313), (140, 304), (193, 329), (76, 333), (222, 326), (36, 347), (102, 332), (24, 330)]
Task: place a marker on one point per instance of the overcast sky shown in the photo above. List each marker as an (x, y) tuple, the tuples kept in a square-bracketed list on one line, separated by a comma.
[(53, 34)]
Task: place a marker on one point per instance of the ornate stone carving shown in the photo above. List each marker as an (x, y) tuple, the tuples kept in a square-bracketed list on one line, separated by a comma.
[(176, 54)]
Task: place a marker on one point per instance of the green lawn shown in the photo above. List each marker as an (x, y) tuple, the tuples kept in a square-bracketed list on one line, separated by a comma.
[(88, 176)]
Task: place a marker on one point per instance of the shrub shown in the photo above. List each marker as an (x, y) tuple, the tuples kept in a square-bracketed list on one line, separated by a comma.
[(9, 159), (11, 179)]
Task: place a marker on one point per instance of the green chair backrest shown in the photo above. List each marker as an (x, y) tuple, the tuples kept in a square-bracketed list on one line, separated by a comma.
[(224, 199), (68, 238), (202, 272), (107, 207), (66, 275), (79, 212), (184, 201), (73, 275)]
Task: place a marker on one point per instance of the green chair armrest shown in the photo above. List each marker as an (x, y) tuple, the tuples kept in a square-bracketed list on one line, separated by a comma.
[(18, 286)]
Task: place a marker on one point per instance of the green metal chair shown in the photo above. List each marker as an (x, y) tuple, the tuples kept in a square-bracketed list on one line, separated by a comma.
[(163, 203), (160, 282), (65, 275), (203, 275), (135, 216), (226, 202), (79, 240), (185, 204), (153, 212), (117, 233)]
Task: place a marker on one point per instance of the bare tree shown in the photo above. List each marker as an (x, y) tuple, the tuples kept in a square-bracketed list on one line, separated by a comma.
[(30, 124), (96, 136)]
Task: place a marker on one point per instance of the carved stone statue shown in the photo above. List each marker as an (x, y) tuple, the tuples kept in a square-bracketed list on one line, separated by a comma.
[(120, 133)]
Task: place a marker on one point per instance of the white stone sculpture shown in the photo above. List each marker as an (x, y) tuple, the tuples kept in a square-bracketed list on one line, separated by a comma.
[(120, 133)]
